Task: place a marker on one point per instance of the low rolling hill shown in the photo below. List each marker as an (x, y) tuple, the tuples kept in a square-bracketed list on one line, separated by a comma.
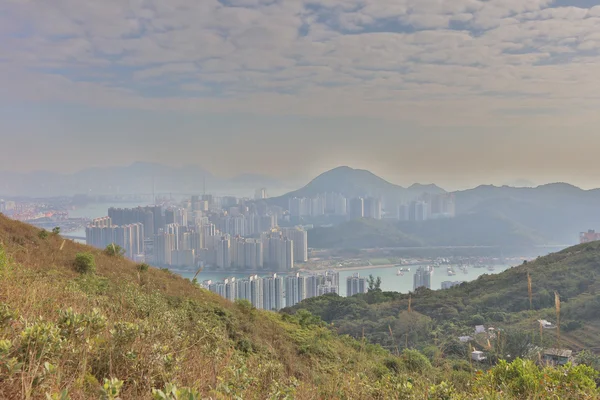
[(465, 230)]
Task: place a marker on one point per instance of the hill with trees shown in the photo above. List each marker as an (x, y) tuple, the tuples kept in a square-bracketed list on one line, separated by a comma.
[(474, 229), (77, 322), (504, 301)]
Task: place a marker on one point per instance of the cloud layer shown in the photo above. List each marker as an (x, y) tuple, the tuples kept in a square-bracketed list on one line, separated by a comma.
[(464, 62)]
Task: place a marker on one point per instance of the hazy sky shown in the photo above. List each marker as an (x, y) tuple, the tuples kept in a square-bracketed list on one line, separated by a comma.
[(458, 92)]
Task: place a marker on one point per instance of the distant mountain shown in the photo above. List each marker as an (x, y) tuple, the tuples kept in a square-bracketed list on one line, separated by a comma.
[(137, 178), (557, 211), (352, 182)]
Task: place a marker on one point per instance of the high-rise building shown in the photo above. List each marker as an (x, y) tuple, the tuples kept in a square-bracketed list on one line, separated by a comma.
[(260, 194), (183, 258), (372, 208), (256, 291), (418, 211), (278, 252), (300, 238), (356, 208), (450, 284), (224, 253), (295, 289), (317, 206), (355, 285), (273, 293), (164, 244), (403, 212), (422, 277), (101, 233), (230, 289), (253, 254), (340, 205)]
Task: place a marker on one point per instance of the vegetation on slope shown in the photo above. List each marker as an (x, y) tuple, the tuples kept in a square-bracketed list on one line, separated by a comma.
[(102, 327), (502, 300)]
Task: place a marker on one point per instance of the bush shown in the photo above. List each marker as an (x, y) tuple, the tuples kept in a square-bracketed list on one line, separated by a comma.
[(85, 263), (142, 267), (114, 250), (43, 234), (56, 231), (415, 361)]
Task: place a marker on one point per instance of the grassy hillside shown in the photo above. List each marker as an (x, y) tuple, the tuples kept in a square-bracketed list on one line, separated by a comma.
[(500, 300), (465, 230), (119, 330)]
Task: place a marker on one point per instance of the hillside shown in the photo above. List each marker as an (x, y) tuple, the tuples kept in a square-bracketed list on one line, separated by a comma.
[(557, 211), (500, 300), (123, 331), (465, 230), (352, 182), (361, 233)]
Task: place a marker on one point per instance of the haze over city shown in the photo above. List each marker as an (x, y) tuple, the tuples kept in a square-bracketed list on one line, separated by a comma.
[(459, 93)]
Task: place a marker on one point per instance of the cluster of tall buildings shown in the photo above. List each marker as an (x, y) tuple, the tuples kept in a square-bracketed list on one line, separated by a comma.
[(276, 292), (223, 232), (335, 204), (102, 232), (451, 284), (355, 285), (428, 207), (422, 277)]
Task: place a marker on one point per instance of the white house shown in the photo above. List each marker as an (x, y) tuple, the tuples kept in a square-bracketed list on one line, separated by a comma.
[(477, 355)]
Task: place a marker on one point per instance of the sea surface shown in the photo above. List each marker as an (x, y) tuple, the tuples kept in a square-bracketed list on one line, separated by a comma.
[(389, 280)]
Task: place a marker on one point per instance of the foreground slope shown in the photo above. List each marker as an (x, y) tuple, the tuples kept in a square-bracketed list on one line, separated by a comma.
[(130, 332)]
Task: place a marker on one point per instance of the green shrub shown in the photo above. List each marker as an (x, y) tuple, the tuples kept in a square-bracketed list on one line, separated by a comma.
[(114, 250), (393, 364), (85, 263), (415, 361), (41, 340), (171, 392), (110, 389), (142, 267), (56, 231), (43, 234)]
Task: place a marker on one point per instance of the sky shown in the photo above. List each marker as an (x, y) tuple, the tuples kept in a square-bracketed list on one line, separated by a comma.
[(457, 92)]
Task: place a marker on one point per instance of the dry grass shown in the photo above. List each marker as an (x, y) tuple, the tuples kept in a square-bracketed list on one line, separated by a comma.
[(183, 334)]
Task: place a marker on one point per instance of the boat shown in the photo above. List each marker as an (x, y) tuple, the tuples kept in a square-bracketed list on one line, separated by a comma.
[(491, 268), (451, 271), (399, 273)]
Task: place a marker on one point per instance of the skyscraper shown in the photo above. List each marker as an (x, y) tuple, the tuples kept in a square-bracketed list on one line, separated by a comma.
[(422, 277), (372, 208), (295, 289), (300, 238), (224, 253), (355, 285), (164, 244), (357, 208)]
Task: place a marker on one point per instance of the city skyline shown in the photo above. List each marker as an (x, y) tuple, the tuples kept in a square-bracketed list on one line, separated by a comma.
[(459, 93)]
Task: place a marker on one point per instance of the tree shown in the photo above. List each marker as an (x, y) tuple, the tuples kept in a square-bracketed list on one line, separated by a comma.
[(85, 263), (114, 250), (374, 284), (56, 231)]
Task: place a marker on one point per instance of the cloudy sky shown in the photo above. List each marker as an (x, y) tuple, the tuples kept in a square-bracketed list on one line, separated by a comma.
[(457, 92)]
